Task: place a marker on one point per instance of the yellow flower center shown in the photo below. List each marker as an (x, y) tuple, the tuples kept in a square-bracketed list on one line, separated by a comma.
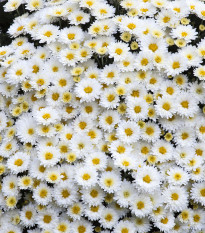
[(140, 205), (147, 179), (86, 176), (121, 149), (88, 90), (166, 106), (19, 72), (175, 196), (108, 182), (46, 116), (202, 192), (18, 162), (109, 120), (153, 47), (149, 131), (48, 34), (48, 156), (137, 109), (162, 150), (47, 218), (176, 65), (43, 193), (94, 193), (96, 161), (128, 132), (108, 217), (185, 104), (65, 193), (144, 61), (131, 26), (28, 214)]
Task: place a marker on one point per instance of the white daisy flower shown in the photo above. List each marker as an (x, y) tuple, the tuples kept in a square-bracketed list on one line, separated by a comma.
[(128, 131), (176, 198), (110, 181), (18, 162), (141, 205), (86, 176), (48, 156), (46, 116), (88, 89), (147, 179), (118, 50)]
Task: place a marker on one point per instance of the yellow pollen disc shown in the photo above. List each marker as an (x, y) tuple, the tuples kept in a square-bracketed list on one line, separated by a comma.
[(121, 149), (65, 193), (119, 51), (108, 217), (62, 228), (48, 156), (166, 106), (86, 176), (184, 34), (76, 209), (96, 161), (164, 220), (55, 96), (94, 208), (126, 194), (28, 214), (46, 116), (153, 47), (70, 56), (79, 18), (185, 104), (166, 19), (128, 132), (137, 109), (196, 218), (184, 136), (48, 34), (140, 205), (176, 65), (81, 229), (47, 218), (110, 75), (177, 176), (131, 26), (35, 69), (147, 179), (18, 162), (31, 131), (125, 163), (53, 177), (110, 98), (202, 129), (71, 36), (82, 125), (184, 215), (144, 61), (94, 193), (40, 82), (202, 192), (175, 196), (109, 120), (108, 182), (162, 150), (88, 90), (149, 131), (43, 193), (19, 72)]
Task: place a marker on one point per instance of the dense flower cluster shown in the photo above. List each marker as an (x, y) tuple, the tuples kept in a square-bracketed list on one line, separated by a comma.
[(102, 120)]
